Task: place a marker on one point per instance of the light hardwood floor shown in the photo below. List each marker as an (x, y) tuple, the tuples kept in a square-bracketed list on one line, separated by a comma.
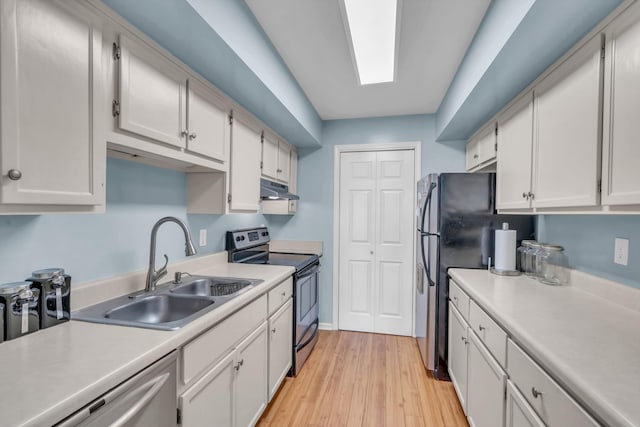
[(359, 379)]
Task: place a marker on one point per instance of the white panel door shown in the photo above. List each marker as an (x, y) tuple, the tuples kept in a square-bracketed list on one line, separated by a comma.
[(52, 133), (251, 380), (244, 181), (566, 144), (152, 94), (211, 400), (515, 136), (621, 150), (208, 122), (376, 241), (357, 241)]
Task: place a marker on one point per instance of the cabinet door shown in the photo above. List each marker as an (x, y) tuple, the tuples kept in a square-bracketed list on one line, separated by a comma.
[(458, 343), (472, 154), (519, 412), (244, 172), (293, 173), (567, 145), (280, 346), (270, 157), (284, 154), (515, 134), (52, 138), (208, 122), (487, 145), (152, 94), (211, 400), (485, 386), (621, 150), (251, 377)]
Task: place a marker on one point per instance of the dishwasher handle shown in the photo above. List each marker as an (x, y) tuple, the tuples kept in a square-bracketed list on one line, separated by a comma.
[(154, 385)]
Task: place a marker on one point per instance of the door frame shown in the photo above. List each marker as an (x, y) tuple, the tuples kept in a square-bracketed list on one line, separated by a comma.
[(388, 146)]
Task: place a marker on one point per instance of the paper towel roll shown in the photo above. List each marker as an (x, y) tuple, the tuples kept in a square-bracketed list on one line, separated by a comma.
[(505, 253)]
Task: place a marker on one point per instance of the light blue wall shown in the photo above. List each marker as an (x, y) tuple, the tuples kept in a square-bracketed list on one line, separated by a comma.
[(511, 61), (96, 246), (589, 241), (314, 220), (228, 47)]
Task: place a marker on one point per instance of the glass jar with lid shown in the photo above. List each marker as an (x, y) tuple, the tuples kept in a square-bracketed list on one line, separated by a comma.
[(554, 265), (532, 265), (522, 250)]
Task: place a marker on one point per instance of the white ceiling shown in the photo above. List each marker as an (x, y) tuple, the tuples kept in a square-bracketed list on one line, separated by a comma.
[(311, 38)]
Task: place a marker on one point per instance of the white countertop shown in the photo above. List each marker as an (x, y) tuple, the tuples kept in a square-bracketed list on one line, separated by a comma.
[(589, 344), (47, 375)]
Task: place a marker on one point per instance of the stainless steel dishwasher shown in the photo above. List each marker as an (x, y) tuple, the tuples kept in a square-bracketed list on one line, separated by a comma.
[(146, 399)]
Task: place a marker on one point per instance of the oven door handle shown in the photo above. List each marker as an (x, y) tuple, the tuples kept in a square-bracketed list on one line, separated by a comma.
[(309, 271), (308, 340)]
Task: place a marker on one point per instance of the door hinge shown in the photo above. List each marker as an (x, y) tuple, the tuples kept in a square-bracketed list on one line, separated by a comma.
[(505, 393), (230, 118), (262, 137), (115, 108), (178, 416), (599, 186), (116, 51), (495, 147), (261, 164), (229, 198)]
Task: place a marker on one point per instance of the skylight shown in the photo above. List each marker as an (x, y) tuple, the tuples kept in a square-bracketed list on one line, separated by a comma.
[(372, 26)]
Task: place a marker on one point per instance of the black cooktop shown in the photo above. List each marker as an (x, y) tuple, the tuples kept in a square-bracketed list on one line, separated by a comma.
[(299, 261)]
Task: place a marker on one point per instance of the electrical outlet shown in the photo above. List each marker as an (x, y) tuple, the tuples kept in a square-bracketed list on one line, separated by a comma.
[(203, 237), (621, 251)]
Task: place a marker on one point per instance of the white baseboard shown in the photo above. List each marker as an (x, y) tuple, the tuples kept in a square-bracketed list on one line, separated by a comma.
[(325, 326)]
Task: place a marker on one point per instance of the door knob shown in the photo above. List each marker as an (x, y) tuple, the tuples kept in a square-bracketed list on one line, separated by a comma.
[(14, 174)]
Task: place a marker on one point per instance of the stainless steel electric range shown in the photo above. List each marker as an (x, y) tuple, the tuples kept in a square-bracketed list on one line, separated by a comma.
[(250, 246)]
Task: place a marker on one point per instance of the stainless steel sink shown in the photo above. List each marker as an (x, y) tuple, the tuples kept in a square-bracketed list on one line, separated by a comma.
[(170, 306), (156, 309), (214, 287)]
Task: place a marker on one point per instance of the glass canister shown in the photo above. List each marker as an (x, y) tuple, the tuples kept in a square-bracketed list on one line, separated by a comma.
[(521, 259), (532, 267), (55, 295), (20, 309), (554, 265)]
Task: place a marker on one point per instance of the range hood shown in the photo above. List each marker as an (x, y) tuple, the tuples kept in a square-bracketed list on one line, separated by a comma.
[(274, 191)]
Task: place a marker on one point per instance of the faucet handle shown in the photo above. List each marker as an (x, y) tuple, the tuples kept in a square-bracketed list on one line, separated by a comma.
[(163, 270)]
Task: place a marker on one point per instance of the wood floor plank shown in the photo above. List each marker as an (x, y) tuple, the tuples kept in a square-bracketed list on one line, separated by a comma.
[(359, 379)]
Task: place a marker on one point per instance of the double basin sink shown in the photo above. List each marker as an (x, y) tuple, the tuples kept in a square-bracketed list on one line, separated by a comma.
[(170, 306)]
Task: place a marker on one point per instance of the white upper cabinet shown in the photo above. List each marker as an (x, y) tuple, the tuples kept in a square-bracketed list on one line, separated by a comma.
[(481, 149), (208, 124), (52, 147), (276, 159), (152, 94), (621, 150), (515, 133), (567, 111), (244, 175)]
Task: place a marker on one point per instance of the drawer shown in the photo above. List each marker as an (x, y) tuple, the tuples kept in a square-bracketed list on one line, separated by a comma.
[(209, 347), (489, 333), (459, 299), (552, 404), (279, 295)]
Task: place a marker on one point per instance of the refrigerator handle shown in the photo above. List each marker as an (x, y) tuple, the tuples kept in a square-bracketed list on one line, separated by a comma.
[(426, 260), (427, 206)]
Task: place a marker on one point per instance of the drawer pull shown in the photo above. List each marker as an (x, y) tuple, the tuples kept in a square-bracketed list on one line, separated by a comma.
[(481, 328), (464, 340), (535, 392), (284, 294)]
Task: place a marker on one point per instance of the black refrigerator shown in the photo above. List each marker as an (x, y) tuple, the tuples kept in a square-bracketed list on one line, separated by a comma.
[(456, 224)]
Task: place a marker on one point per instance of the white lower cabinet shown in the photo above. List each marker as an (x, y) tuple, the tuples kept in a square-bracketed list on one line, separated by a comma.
[(233, 392), (519, 412), (280, 346), (485, 386), (458, 343)]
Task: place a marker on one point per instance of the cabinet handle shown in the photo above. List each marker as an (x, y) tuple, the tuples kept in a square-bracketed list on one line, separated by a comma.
[(464, 340), (184, 132), (14, 174), (455, 299), (475, 156), (240, 363), (273, 330), (524, 195), (482, 328), (531, 195), (279, 170), (193, 135), (284, 294), (535, 392)]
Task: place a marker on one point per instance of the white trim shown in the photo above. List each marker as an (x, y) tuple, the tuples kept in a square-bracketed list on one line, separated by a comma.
[(337, 150), (325, 326)]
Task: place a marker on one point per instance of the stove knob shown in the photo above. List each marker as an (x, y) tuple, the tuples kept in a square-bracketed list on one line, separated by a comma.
[(264, 233), (237, 238), (241, 237)]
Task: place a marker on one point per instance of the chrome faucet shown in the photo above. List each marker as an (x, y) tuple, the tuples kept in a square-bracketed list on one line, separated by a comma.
[(154, 275)]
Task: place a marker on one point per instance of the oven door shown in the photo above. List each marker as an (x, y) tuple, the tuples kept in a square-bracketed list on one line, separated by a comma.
[(306, 313)]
